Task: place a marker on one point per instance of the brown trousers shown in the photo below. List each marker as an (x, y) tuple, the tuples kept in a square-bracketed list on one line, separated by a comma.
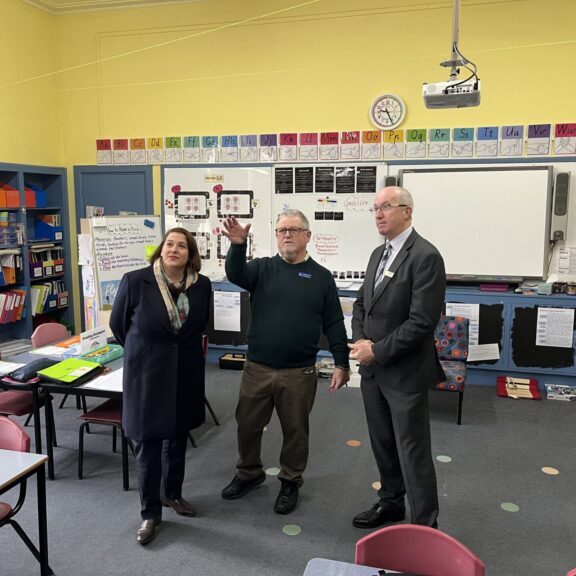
[(291, 391)]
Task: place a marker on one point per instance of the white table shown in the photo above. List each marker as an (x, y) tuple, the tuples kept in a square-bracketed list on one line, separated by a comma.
[(15, 468), (324, 567)]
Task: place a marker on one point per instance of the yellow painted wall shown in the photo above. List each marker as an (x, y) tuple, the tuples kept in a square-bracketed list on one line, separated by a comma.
[(191, 69), (29, 123)]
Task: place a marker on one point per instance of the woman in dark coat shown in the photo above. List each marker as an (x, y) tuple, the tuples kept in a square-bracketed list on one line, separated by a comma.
[(159, 316)]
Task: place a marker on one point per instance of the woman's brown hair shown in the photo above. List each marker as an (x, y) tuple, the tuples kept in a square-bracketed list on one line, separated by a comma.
[(194, 260)]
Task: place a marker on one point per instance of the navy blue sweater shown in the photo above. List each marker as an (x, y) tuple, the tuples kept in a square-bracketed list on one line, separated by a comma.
[(291, 305)]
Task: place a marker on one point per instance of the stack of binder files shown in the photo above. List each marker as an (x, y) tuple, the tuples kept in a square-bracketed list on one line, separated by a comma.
[(12, 305), (46, 292), (10, 266)]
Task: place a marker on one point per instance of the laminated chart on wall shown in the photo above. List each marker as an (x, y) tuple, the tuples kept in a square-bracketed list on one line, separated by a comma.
[(119, 244), (198, 199), (336, 199)]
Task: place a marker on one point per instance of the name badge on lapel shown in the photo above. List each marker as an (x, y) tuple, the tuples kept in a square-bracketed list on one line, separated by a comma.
[(389, 274)]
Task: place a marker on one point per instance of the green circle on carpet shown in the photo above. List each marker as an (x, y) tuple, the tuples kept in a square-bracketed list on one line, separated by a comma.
[(291, 530), (509, 507), (273, 471), (442, 458)]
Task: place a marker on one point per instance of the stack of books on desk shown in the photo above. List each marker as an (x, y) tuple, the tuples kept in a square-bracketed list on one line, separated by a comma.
[(13, 347)]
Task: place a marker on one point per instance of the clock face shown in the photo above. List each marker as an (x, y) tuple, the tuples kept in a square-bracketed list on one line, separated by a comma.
[(387, 111)]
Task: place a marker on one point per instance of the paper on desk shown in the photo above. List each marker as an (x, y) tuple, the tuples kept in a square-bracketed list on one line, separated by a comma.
[(227, 311), (555, 327), (480, 352), (49, 351), (470, 311), (111, 382), (7, 367)]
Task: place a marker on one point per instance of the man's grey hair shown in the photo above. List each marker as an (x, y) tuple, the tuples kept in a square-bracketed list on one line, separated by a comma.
[(403, 196), (292, 212)]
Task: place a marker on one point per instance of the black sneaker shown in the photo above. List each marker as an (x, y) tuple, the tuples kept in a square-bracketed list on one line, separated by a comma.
[(287, 498), (237, 488)]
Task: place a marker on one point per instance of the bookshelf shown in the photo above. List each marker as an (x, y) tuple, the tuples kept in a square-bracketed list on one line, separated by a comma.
[(35, 277)]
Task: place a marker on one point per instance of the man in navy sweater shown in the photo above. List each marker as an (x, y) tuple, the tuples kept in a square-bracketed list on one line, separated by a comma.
[(293, 299)]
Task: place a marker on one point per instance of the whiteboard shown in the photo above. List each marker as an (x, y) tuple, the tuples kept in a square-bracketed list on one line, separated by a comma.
[(119, 244), (486, 222), (337, 206), (337, 203), (198, 198)]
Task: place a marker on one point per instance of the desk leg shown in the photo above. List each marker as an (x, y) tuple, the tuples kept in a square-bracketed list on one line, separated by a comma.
[(36, 409), (42, 522), (48, 421)]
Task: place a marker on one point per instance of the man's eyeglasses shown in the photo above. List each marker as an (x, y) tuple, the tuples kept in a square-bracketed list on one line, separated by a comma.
[(386, 207), (291, 231)]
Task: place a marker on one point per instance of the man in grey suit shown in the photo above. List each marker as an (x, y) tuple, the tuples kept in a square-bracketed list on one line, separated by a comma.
[(393, 324)]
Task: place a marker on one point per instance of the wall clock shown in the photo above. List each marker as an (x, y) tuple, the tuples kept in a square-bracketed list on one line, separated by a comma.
[(387, 111)]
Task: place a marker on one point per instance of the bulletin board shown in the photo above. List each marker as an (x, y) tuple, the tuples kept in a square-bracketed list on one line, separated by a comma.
[(335, 198), (198, 198)]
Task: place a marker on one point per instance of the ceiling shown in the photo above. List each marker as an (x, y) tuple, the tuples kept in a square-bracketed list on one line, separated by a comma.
[(69, 6)]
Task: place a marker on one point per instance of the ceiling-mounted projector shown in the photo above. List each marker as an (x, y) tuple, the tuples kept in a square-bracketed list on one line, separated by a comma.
[(452, 94)]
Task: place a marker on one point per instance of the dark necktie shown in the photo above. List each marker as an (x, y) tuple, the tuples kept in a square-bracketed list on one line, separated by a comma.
[(380, 271)]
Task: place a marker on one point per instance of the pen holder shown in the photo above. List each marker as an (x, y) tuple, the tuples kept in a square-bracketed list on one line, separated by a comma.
[(105, 354)]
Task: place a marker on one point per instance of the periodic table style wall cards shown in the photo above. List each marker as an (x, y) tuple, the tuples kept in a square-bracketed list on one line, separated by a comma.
[(514, 141), (198, 199)]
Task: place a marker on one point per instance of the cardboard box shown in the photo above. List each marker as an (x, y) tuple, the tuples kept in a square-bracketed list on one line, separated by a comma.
[(29, 198), (12, 197)]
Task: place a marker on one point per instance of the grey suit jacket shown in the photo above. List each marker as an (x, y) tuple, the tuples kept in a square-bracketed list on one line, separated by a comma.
[(400, 317)]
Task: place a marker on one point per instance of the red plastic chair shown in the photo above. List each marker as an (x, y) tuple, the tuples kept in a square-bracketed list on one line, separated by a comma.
[(14, 437), (48, 334), (21, 403), (417, 549), (108, 413)]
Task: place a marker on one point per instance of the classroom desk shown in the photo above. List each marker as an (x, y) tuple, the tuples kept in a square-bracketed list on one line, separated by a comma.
[(16, 467), (52, 387), (324, 567)]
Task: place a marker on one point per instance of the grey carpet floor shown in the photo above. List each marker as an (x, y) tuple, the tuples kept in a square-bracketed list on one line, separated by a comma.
[(495, 457)]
